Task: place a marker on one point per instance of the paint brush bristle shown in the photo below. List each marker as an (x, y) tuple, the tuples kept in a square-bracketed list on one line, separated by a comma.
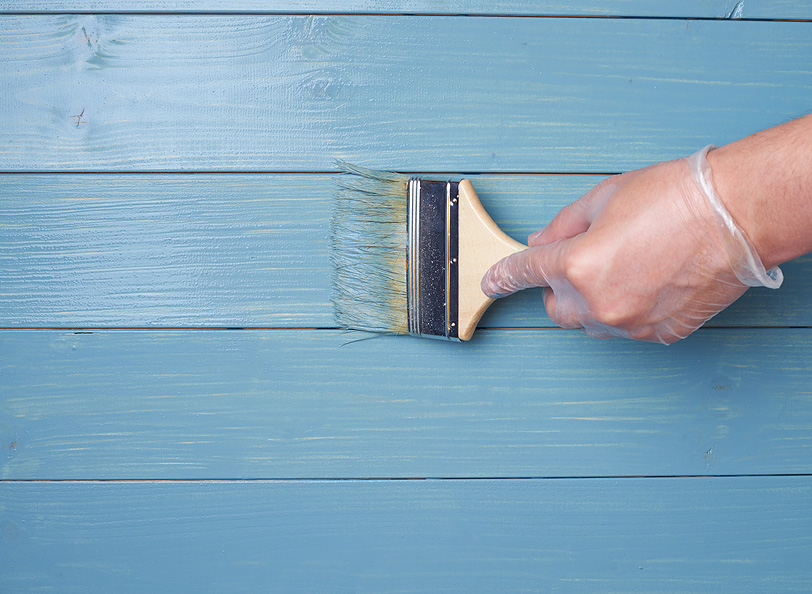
[(368, 241)]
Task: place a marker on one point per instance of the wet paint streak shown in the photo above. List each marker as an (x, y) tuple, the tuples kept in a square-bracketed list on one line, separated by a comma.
[(241, 250)]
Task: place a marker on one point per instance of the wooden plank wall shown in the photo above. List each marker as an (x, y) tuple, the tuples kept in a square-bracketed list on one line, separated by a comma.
[(177, 409), (709, 9)]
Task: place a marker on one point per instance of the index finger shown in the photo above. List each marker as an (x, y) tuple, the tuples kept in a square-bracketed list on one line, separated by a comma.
[(533, 267)]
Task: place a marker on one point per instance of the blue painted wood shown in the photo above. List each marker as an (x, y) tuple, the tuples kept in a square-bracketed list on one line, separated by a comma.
[(165, 250), (751, 9), (287, 93), (241, 250), (277, 93), (311, 404), (747, 535)]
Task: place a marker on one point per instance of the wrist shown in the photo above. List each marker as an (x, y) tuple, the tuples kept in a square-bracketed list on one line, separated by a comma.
[(742, 256), (739, 195)]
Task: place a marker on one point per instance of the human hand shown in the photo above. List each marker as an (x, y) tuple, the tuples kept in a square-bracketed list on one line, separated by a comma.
[(651, 254)]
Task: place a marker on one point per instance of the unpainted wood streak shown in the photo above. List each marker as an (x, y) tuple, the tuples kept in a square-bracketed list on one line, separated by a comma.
[(307, 403), (242, 250), (731, 9), (290, 93), (746, 534)]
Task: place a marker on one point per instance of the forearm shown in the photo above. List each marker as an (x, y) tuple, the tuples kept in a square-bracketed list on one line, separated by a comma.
[(765, 181)]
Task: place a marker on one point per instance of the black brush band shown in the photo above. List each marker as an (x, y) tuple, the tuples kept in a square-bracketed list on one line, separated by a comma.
[(432, 278)]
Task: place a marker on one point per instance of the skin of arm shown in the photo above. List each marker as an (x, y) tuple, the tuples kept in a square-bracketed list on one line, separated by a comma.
[(765, 181)]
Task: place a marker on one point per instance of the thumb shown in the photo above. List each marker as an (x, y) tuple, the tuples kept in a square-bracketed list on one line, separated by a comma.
[(533, 267)]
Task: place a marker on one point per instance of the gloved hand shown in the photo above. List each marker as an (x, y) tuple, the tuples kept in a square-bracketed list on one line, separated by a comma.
[(651, 254)]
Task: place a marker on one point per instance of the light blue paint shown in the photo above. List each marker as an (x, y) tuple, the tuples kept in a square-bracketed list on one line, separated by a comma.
[(309, 404), (761, 9), (288, 93), (173, 250), (747, 535), (241, 251), (135, 93)]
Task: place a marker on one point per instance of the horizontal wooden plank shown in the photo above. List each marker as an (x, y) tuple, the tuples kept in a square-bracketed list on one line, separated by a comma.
[(635, 535), (165, 250), (753, 9), (310, 404), (291, 93), (241, 250)]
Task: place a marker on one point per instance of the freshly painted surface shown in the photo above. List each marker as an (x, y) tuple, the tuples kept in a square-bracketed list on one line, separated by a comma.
[(292, 93), (109, 438), (312, 404), (727, 9), (748, 535), (242, 251)]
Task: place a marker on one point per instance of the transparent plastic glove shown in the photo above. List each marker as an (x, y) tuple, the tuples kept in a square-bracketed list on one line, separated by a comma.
[(651, 254)]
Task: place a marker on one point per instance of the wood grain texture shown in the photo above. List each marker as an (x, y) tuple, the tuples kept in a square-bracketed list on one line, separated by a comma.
[(275, 93), (291, 93), (242, 251), (751, 9), (748, 535), (481, 245), (165, 250), (306, 404)]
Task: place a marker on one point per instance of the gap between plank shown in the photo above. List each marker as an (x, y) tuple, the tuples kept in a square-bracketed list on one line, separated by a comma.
[(495, 15), (412, 479), (326, 172), (92, 329)]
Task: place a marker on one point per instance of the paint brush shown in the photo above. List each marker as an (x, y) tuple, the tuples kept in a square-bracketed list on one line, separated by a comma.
[(409, 253)]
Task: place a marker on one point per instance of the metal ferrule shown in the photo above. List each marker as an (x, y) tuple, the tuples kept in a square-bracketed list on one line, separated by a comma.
[(432, 277)]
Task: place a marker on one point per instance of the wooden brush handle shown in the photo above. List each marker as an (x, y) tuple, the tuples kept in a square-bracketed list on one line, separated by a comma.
[(481, 244)]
